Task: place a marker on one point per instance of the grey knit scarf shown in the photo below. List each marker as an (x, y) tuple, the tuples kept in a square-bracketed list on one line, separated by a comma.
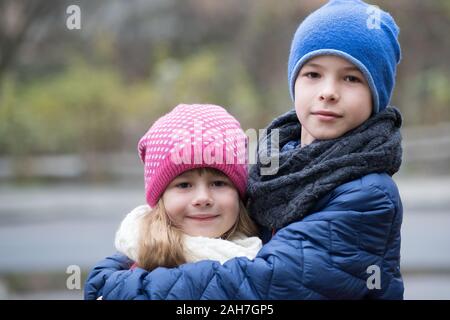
[(307, 174)]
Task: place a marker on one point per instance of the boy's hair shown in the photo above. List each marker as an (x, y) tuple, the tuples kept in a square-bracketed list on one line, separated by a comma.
[(161, 242), (364, 35)]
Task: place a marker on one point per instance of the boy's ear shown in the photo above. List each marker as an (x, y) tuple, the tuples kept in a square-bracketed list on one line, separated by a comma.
[(294, 87)]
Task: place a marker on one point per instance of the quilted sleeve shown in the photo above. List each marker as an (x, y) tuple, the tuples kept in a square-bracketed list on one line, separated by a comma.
[(94, 284)]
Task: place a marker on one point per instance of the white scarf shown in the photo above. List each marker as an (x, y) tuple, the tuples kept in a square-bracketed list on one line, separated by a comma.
[(197, 248)]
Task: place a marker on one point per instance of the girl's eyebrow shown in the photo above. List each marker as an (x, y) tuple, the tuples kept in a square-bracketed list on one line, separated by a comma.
[(184, 175)]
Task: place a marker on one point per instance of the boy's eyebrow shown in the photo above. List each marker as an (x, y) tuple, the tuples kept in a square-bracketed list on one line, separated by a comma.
[(312, 64), (351, 68), (347, 68)]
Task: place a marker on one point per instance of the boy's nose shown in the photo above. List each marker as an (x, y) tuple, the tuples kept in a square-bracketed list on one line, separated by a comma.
[(202, 198), (328, 97), (329, 93)]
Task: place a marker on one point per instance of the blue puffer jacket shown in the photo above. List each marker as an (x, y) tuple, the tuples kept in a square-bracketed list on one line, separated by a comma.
[(333, 253)]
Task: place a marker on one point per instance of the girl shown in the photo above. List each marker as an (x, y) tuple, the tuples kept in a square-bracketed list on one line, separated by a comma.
[(195, 182)]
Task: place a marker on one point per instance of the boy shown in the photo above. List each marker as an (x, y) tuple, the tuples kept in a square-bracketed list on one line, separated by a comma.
[(332, 206)]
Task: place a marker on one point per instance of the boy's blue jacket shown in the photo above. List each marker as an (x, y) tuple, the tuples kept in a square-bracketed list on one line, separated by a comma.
[(327, 255)]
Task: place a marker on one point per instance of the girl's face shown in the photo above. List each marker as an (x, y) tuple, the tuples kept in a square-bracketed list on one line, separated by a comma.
[(331, 97), (202, 203)]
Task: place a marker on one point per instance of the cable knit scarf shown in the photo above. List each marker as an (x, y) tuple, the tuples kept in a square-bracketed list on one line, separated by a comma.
[(307, 174)]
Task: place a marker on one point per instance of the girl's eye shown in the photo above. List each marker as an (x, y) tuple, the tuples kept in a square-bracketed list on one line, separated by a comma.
[(183, 185), (219, 183), (351, 79), (312, 75)]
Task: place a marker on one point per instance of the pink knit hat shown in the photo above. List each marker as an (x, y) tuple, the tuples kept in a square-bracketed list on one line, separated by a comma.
[(190, 137)]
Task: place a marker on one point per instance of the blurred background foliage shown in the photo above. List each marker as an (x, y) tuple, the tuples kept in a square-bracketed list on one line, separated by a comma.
[(99, 88), (74, 103)]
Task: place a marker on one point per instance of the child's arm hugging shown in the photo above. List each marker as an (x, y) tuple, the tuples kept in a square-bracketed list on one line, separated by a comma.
[(326, 255), (94, 287)]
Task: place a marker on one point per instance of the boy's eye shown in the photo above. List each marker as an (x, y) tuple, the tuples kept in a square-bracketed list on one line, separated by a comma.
[(311, 75), (352, 79), (183, 185)]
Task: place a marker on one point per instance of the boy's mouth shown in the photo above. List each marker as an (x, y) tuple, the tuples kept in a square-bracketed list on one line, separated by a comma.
[(326, 115)]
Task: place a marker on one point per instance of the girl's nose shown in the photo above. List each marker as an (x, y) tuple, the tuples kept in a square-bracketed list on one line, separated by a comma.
[(202, 198)]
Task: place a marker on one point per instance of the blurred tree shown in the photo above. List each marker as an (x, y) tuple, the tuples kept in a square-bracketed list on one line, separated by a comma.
[(17, 18)]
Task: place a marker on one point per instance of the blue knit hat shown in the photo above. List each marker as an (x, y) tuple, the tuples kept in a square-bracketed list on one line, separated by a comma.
[(360, 33)]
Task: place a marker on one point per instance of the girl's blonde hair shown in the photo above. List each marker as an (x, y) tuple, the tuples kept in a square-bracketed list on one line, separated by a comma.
[(161, 242)]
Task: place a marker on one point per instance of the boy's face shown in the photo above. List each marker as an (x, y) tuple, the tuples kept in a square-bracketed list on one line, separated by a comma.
[(331, 97)]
